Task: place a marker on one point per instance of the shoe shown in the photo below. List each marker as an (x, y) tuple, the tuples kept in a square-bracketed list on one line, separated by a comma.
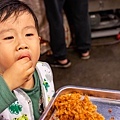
[(56, 63), (85, 56)]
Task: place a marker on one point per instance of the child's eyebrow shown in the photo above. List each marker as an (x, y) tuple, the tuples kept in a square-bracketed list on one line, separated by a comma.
[(29, 27), (5, 30)]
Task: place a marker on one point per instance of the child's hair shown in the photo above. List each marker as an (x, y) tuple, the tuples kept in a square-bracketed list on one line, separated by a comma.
[(9, 7)]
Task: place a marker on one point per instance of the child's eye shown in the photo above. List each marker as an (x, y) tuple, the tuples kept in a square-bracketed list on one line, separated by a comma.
[(30, 34), (9, 38)]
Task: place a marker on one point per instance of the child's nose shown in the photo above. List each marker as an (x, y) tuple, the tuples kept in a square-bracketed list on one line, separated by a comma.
[(22, 46)]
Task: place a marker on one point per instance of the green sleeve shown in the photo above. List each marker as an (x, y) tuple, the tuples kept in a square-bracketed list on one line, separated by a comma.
[(6, 96)]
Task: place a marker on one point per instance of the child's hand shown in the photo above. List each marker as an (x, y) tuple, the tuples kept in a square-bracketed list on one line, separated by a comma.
[(20, 72)]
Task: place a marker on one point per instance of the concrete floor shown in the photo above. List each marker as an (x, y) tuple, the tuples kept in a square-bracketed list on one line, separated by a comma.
[(102, 70)]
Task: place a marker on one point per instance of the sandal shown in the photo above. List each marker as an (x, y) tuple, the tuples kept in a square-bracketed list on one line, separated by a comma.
[(55, 63), (85, 56)]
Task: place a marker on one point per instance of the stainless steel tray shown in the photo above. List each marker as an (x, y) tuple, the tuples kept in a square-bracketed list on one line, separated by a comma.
[(107, 101)]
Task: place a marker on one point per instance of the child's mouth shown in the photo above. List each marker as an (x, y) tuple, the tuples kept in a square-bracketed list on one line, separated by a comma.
[(23, 56)]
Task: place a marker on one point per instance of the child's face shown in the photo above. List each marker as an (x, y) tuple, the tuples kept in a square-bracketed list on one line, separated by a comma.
[(18, 39)]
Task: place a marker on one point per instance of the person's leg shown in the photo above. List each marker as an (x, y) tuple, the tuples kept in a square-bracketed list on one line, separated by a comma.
[(57, 35), (78, 10)]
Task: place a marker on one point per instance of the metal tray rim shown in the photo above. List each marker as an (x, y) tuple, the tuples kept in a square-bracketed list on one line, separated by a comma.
[(112, 94)]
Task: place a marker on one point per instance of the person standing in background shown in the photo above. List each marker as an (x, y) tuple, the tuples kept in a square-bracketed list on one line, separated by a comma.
[(77, 15)]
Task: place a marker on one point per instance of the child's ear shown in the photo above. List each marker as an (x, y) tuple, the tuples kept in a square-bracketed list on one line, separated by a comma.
[(40, 38)]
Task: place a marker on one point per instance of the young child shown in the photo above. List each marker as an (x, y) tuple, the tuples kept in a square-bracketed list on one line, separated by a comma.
[(26, 86)]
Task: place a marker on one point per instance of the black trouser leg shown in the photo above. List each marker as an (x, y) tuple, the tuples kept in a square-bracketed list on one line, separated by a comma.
[(77, 14), (54, 14)]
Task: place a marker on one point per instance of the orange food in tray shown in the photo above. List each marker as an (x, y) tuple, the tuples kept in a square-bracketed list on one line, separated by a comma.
[(75, 106)]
